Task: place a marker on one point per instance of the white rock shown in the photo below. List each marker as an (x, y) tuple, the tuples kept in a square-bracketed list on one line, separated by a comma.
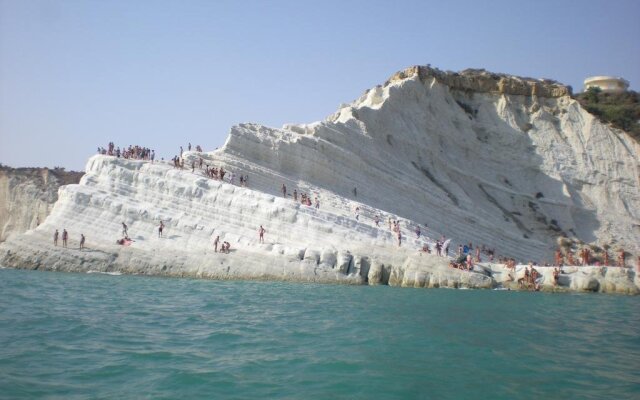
[(492, 164)]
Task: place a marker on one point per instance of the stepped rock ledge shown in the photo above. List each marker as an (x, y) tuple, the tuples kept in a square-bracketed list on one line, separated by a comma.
[(512, 163)]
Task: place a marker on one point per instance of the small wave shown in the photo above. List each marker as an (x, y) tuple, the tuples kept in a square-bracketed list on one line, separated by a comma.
[(104, 273)]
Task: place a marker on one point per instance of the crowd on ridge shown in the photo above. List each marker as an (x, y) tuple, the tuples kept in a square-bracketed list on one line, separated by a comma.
[(132, 152)]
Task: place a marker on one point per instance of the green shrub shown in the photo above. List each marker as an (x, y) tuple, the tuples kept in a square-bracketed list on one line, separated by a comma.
[(622, 110)]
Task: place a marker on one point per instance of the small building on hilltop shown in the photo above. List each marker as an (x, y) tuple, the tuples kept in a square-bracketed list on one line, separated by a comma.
[(608, 84)]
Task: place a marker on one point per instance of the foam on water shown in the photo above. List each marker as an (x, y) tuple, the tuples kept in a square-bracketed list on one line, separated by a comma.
[(116, 273)]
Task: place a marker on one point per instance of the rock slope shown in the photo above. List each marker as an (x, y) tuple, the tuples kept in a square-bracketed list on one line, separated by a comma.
[(27, 196), (492, 159)]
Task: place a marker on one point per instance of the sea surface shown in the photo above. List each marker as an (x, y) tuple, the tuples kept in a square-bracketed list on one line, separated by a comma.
[(77, 336)]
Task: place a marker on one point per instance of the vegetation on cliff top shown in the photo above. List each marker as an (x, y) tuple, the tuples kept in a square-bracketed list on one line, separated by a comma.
[(622, 110)]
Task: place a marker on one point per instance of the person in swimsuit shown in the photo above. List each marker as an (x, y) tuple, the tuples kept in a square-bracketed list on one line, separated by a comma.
[(215, 243), (261, 232), (82, 238), (124, 229), (55, 238), (558, 258), (160, 228), (65, 236), (621, 258)]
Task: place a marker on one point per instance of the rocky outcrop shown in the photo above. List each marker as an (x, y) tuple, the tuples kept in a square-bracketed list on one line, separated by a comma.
[(481, 81), (27, 196), (508, 162)]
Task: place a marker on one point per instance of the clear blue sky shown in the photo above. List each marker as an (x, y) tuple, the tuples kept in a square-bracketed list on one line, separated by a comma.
[(77, 74)]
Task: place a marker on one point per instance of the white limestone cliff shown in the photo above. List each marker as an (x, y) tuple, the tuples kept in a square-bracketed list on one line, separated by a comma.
[(485, 158), (27, 195)]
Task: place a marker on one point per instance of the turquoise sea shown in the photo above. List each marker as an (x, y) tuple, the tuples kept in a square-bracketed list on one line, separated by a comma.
[(77, 336)]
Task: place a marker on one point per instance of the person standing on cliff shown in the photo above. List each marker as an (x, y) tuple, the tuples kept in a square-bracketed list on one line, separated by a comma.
[(558, 258), (65, 236), (261, 232), (621, 257), (55, 238), (284, 190), (124, 230), (160, 228), (215, 243), (82, 239)]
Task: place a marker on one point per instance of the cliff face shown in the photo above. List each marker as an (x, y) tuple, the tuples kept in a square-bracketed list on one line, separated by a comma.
[(27, 196), (508, 162), (504, 161)]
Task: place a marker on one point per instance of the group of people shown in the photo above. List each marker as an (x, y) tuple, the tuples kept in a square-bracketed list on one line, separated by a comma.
[(197, 148), (178, 161), (65, 238), (224, 248), (532, 278), (464, 262), (585, 258), (305, 199), (215, 173), (132, 152)]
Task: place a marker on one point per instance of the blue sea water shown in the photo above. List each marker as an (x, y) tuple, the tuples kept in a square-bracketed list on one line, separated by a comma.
[(75, 336)]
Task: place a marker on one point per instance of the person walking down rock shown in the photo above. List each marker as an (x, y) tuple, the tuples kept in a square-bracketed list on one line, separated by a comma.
[(125, 233)]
